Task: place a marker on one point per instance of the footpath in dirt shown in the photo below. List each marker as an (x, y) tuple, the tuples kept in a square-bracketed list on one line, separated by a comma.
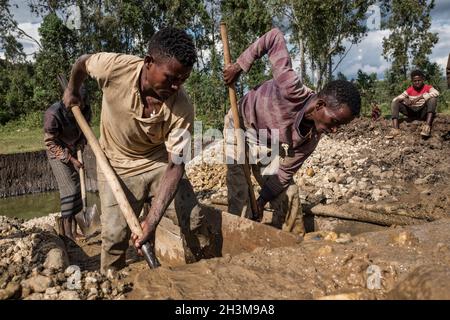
[(402, 184)]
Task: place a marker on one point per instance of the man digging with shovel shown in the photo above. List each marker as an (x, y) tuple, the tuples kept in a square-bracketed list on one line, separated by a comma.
[(63, 139), (146, 116), (299, 114)]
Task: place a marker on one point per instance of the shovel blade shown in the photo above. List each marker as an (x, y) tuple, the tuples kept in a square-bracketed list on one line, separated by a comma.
[(93, 216), (149, 255), (89, 221)]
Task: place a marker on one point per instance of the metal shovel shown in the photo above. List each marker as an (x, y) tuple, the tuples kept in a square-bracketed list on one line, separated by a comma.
[(89, 219)]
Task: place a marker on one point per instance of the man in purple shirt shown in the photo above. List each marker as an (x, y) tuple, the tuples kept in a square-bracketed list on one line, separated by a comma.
[(285, 106), (62, 138)]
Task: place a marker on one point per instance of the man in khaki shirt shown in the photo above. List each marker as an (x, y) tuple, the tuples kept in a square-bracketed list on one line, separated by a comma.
[(146, 121)]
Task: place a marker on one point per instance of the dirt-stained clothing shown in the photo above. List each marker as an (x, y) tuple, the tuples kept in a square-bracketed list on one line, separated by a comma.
[(138, 189), (62, 138), (416, 114), (278, 104), (138, 150), (134, 144), (61, 132), (287, 209)]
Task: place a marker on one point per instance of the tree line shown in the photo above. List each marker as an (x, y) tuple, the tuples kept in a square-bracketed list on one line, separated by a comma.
[(316, 30)]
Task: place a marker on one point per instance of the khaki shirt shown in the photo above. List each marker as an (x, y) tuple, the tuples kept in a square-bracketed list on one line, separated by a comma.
[(133, 144)]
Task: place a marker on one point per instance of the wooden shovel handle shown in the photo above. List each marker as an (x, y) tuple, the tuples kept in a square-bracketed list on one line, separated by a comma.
[(109, 173), (82, 180), (237, 125)]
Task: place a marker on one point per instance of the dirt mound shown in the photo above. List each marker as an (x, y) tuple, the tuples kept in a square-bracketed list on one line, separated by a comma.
[(359, 165)]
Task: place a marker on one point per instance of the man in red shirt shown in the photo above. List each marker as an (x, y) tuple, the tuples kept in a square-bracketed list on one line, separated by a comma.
[(418, 102)]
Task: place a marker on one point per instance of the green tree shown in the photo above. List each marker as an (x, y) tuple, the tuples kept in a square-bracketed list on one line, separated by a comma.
[(410, 42), (15, 72), (56, 56), (341, 76), (246, 21), (320, 28), (366, 84)]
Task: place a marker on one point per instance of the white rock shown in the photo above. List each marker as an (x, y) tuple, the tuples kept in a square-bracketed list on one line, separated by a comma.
[(56, 260)]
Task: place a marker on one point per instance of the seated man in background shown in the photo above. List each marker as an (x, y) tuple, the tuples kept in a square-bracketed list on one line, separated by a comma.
[(418, 102)]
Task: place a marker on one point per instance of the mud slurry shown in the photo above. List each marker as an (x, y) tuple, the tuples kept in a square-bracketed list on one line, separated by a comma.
[(369, 266)]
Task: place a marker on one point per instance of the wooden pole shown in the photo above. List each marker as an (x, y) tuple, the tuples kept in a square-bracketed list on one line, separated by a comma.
[(349, 212), (115, 186), (82, 180), (237, 126)]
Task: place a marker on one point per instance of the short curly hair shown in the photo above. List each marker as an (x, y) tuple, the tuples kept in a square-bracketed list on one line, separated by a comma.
[(416, 73), (173, 43), (344, 92)]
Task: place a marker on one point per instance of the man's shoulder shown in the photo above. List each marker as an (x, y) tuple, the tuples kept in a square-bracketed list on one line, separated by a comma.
[(410, 90), (114, 56), (55, 108), (113, 60)]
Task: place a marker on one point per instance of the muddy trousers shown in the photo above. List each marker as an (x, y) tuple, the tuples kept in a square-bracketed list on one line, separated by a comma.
[(116, 233), (68, 181), (287, 209), (415, 114)]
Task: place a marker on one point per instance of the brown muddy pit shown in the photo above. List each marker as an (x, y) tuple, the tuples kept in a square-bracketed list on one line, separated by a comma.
[(338, 258)]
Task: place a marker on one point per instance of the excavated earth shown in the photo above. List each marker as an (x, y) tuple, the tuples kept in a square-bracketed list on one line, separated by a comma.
[(337, 259)]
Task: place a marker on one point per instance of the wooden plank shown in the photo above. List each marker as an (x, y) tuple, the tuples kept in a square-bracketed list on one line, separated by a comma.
[(232, 234)]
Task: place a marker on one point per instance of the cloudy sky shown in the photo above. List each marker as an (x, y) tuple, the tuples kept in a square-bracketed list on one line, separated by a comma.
[(367, 55)]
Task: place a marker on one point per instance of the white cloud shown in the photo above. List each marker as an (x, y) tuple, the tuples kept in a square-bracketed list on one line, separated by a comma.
[(366, 55), (442, 49), (30, 46)]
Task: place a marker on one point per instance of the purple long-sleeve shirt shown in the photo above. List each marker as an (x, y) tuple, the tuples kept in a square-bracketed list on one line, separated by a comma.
[(278, 103), (61, 132)]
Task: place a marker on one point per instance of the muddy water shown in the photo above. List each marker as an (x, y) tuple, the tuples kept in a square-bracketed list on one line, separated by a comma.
[(36, 205)]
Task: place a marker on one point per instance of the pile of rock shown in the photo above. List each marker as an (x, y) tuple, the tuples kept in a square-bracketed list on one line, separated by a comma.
[(358, 164), (34, 265)]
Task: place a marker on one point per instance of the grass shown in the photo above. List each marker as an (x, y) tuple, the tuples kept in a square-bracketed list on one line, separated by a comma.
[(25, 135), (26, 140)]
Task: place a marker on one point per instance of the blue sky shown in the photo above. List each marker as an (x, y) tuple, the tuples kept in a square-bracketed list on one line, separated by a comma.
[(367, 55)]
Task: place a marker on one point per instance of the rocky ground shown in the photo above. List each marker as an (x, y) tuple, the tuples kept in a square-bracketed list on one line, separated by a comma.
[(408, 176), (35, 264), (359, 165)]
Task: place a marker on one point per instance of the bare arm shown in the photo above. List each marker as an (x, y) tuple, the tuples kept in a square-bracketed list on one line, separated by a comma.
[(402, 97), (432, 94), (78, 75), (166, 192)]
